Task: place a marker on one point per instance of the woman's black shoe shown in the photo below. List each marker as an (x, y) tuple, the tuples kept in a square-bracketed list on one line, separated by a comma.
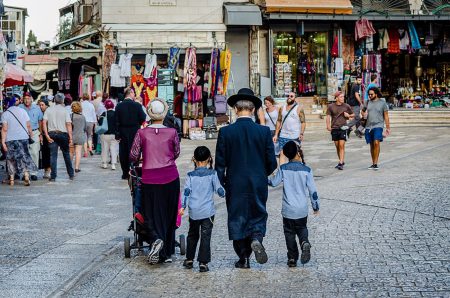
[(242, 264)]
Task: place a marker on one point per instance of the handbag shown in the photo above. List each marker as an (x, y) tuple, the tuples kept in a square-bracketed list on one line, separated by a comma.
[(30, 139), (101, 129)]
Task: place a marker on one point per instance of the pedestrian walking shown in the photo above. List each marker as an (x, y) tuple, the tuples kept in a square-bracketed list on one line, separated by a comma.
[(298, 185), (159, 147), (291, 124), (110, 146), (271, 114), (36, 116), (244, 158), (79, 132), (338, 113), (57, 128), (373, 83), (91, 119), (129, 117), (16, 132), (355, 101), (377, 117), (45, 149), (199, 189)]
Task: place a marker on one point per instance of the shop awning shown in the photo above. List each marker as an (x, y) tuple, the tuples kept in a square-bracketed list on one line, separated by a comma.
[(75, 40), (243, 15), (14, 75), (309, 6), (74, 54)]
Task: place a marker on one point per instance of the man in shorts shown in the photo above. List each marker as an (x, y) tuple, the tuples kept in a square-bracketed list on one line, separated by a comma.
[(377, 115), (337, 115)]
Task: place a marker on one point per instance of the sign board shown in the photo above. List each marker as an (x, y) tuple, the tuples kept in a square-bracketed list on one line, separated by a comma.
[(166, 86), (163, 2), (283, 59)]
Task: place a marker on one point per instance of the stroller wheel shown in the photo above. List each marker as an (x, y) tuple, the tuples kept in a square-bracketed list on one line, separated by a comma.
[(127, 247), (182, 245)]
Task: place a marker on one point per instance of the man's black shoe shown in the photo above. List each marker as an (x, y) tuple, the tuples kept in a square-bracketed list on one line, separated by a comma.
[(51, 180), (243, 264), (125, 177), (188, 264), (260, 252), (203, 267), (292, 263), (34, 178), (306, 253)]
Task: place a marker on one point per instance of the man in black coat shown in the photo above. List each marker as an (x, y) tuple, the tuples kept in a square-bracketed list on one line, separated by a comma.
[(129, 118), (244, 158)]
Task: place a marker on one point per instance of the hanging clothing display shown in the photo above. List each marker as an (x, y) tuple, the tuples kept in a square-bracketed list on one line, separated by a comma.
[(415, 42), (137, 69), (85, 85), (137, 78), (363, 29), (404, 39), (394, 41), (215, 74), (109, 57), (384, 38), (138, 87), (369, 43), (151, 62), (64, 74), (174, 57), (225, 63), (116, 79), (125, 65), (372, 63)]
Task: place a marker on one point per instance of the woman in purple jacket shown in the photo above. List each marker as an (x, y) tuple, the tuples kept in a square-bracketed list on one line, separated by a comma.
[(159, 146)]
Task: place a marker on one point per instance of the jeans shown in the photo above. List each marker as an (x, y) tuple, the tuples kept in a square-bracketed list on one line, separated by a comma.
[(356, 120), (202, 229), (292, 228), (60, 140)]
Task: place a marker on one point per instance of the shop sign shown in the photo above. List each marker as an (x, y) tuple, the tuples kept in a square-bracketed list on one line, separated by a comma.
[(163, 2), (283, 59), (166, 86)]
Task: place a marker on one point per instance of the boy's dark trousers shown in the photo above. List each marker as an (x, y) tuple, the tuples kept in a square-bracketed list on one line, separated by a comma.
[(292, 228), (202, 229)]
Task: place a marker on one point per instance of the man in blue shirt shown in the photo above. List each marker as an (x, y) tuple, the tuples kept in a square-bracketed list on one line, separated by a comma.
[(36, 116), (373, 83)]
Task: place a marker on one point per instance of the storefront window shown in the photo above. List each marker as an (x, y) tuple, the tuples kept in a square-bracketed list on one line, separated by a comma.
[(300, 63)]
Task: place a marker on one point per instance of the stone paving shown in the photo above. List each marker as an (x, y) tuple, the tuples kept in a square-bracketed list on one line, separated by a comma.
[(379, 234)]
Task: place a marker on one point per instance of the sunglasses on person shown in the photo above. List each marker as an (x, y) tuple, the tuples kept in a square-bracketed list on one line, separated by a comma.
[(291, 96), (371, 94)]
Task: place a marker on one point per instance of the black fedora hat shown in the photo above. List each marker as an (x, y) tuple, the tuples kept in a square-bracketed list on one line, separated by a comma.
[(244, 94)]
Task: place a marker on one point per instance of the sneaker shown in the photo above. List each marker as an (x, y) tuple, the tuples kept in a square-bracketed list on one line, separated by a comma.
[(153, 255), (260, 252), (104, 166), (113, 167), (34, 178), (168, 260), (292, 263), (72, 177), (46, 175), (340, 166), (203, 267), (306, 253), (188, 264), (373, 167), (51, 180), (343, 164)]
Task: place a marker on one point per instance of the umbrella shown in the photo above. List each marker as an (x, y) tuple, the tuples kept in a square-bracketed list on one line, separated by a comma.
[(14, 75)]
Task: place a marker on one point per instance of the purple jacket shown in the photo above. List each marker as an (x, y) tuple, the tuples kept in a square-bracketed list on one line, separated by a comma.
[(160, 148)]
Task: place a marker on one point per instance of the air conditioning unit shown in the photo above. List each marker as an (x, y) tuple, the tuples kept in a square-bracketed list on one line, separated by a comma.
[(85, 14)]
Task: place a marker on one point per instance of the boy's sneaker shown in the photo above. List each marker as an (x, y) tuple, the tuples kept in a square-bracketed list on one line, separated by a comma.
[(113, 166), (260, 252), (203, 267), (340, 167), (153, 255), (306, 253), (373, 167), (292, 263), (188, 264)]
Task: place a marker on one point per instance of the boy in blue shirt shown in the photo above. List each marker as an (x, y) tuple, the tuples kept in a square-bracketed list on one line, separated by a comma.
[(199, 189), (298, 184)]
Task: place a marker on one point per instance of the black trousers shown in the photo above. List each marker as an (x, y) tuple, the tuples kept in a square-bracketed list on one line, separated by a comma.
[(200, 229), (126, 141), (243, 247), (160, 207), (60, 140), (293, 228)]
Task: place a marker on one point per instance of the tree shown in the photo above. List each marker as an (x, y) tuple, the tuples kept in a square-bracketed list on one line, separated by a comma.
[(31, 38), (65, 29)]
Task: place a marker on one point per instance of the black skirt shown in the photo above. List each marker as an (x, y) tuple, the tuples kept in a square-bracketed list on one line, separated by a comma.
[(160, 207), (45, 155)]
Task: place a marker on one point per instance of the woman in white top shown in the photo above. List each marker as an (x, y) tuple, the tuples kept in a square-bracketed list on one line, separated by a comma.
[(270, 114), (16, 130)]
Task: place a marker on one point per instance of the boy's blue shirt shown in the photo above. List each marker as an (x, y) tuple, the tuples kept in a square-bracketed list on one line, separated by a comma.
[(199, 189), (298, 184)]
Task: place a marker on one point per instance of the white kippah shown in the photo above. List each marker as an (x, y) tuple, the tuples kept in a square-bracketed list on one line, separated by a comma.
[(157, 107)]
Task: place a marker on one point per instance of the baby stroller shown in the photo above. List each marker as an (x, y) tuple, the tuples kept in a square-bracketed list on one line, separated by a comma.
[(137, 224)]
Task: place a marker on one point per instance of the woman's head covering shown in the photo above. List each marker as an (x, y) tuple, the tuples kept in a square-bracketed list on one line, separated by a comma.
[(109, 104), (157, 109)]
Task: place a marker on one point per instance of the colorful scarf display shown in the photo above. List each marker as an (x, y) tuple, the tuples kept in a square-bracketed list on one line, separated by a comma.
[(174, 57), (415, 42)]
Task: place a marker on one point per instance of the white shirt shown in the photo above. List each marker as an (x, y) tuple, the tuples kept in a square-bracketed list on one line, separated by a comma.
[(292, 126), (15, 130), (116, 79), (57, 117), (125, 65), (88, 111), (271, 116)]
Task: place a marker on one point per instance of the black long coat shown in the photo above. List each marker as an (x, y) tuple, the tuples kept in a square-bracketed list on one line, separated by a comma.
[(244, 158)]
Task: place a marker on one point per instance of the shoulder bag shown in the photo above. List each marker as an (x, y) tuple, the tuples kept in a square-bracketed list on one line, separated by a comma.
[(285, 117), (101, 129), (30, 139)]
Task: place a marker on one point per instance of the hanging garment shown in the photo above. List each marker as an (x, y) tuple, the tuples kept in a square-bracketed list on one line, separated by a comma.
[(190, 74), (109, 58), (369, 43), (363, 29), (125, 65), (137, 69), (404, 39), (335, 48), (116, 79), (138, 87), (137, 78), (174, 57), (225, 65), (384, 39), (415, 42), (214, 65), (394, 41), (151, 62), (339, 65)]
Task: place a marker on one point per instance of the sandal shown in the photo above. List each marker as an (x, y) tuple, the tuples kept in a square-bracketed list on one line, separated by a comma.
[(8, 181), (26, 180)]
